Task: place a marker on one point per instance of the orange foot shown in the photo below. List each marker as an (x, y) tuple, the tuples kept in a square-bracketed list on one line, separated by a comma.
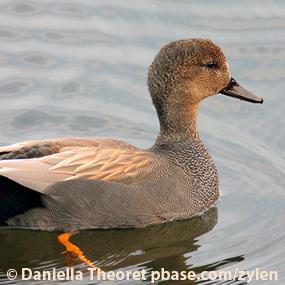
[(75, 250)]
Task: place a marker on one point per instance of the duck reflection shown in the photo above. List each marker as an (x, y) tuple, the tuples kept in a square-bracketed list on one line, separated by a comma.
[(113, 249), (150, 248)]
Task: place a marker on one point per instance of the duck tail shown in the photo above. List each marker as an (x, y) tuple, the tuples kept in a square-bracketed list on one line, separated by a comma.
[(16, 199)]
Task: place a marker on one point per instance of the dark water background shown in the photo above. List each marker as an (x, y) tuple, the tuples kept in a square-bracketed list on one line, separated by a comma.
[(79, 68)]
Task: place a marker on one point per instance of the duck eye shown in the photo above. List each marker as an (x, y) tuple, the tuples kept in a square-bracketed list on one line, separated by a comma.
[(211, 65)]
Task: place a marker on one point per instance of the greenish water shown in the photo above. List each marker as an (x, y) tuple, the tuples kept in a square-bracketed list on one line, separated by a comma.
[(79, 68)]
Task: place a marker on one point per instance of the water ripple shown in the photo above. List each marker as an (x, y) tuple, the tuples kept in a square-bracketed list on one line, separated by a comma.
[(74, 9), (23, 8), (14, 87), (10, 34), (39, 59)]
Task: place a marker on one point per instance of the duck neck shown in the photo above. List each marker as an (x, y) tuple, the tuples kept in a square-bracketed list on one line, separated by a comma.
[(178, 123)]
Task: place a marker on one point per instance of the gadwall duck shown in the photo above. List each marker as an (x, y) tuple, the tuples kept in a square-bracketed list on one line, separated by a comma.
[(79, 183)]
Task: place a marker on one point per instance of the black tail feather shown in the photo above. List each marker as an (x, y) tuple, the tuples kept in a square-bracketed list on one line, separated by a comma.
[(16, 199)]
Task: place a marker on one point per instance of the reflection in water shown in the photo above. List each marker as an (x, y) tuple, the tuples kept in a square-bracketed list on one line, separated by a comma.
[(151, 248), (114, 249), (73, 250)]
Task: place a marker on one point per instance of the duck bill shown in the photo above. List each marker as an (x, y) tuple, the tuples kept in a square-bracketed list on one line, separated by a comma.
[(233, 89)]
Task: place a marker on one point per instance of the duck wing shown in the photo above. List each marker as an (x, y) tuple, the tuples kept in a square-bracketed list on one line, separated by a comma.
[(95, 159), (40, 148)]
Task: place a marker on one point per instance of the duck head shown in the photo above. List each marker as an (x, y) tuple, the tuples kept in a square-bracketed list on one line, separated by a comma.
[(183, 74)]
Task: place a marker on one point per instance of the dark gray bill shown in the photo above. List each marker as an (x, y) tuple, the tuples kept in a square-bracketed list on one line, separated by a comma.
[(233, 89)]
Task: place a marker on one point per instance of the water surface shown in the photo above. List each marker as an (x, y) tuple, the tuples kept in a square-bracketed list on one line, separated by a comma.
[(79, 68)]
